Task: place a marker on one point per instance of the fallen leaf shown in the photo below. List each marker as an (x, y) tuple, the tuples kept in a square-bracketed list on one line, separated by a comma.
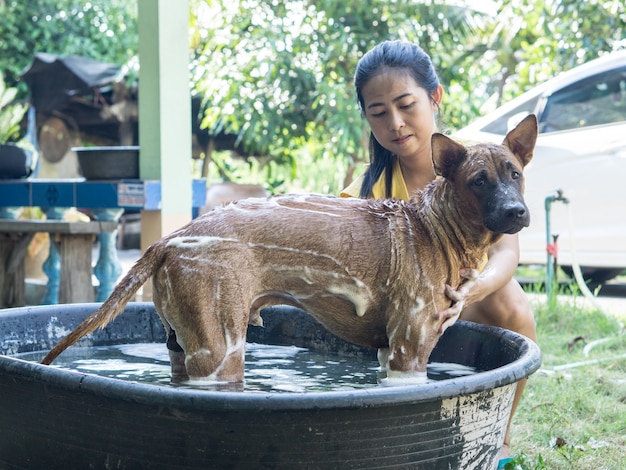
[(557, 442), (573, 342)]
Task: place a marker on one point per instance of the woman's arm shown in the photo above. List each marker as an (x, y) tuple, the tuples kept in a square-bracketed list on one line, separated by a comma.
[(503, 258)]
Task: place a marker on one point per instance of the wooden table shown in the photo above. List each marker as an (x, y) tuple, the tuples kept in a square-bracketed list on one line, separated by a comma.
[(74, 242), (105, 199)]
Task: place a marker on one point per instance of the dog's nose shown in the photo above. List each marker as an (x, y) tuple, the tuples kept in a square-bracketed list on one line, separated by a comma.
[(508, 217), (515, 211), (515, 217)]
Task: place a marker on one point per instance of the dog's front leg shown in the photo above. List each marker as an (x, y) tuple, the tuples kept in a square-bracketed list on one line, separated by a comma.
[(412, 336), (383, 358), (395, 377), (401, 375)]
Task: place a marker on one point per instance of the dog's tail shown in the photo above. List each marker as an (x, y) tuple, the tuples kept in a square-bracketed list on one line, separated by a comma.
[(145, 267)]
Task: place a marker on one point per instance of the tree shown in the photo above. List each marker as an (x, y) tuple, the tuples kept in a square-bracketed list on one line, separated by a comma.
[(11, 113), (104, 30), (526, 43), (279, 75)]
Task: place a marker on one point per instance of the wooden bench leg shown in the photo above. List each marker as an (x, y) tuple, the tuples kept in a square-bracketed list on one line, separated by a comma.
[(76, 271), (12, 251), (52, 266)]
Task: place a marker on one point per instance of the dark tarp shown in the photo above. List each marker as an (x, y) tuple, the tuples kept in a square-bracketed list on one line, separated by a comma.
[(53, 79), (76, 89)]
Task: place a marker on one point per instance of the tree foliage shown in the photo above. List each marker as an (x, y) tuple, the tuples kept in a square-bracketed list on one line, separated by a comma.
[(278, 74), (103, 30), (11, 113), (526, 43)]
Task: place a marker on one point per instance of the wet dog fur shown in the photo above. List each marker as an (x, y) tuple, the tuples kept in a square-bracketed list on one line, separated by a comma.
[(373, 272)]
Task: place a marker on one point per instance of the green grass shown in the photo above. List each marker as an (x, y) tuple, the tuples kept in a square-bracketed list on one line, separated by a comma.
[(574, 417)]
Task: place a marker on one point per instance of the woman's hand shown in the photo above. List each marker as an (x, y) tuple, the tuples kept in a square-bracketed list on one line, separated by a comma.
[(500, 268), (458, 297)]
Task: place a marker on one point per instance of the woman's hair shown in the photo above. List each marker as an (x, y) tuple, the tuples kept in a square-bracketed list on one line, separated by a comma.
[(395, 55)]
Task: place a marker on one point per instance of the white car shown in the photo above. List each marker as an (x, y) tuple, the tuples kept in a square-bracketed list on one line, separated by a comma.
[(581, 152)]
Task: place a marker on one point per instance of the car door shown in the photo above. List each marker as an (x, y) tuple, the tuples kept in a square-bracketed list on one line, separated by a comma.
[(581, 150)]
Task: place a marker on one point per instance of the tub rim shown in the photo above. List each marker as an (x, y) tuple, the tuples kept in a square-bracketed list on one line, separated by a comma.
[(527, 362)]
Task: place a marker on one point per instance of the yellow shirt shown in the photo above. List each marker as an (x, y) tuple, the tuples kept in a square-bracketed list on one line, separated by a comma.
[(398, 186)]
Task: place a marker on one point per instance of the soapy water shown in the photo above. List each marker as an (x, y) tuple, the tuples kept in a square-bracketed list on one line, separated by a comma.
[(267, 367)]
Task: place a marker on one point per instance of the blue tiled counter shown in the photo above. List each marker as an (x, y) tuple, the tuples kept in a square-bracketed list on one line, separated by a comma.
[(106, 201), (125, 194)]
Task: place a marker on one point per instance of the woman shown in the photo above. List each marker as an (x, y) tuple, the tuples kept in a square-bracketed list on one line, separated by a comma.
[(399, 94)]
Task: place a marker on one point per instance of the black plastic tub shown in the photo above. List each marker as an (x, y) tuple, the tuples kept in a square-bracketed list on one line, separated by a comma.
[(108, 163), (15, 162), (54, 418)]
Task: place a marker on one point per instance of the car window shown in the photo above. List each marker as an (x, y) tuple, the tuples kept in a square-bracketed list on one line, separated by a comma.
[(501, 125), (596, 100)]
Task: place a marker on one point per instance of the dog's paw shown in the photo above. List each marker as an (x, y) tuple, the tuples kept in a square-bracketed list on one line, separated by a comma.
[(397, 378)]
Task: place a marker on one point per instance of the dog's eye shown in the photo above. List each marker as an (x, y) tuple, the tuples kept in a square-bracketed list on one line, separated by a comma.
[(479, 181), (516, 175)]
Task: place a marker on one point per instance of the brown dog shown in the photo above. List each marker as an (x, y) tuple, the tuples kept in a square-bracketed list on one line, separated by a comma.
[(373, 272)]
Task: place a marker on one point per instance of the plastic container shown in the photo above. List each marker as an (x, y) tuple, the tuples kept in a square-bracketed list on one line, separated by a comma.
[(55, 418), (108, 163)]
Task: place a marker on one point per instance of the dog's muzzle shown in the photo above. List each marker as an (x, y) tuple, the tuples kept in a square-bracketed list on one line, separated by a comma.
[(509, 218)]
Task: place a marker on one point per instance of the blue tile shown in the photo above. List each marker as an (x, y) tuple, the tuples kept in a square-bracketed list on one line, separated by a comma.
[(96, 195), (53, 194), (14, 194)]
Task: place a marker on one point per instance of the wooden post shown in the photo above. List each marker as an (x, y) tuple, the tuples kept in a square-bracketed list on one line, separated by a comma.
[(165, 115), (12, 250)]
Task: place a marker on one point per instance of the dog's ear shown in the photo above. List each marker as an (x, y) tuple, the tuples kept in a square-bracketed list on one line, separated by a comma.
[(521, 140), (447, 155)]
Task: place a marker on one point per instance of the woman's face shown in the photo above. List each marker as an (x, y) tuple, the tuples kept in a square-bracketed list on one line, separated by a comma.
[(400, 113)]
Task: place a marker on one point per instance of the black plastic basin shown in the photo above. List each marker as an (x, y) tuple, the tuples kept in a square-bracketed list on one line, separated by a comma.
[(54, 418), (108, 163)]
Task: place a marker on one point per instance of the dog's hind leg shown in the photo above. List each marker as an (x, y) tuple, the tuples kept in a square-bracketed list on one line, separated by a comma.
[(209, 311), (177, 358), (175, 350), (205, 343), (219, 358)]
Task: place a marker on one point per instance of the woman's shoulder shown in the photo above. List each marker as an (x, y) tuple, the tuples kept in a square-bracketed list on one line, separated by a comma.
[(353, 189)]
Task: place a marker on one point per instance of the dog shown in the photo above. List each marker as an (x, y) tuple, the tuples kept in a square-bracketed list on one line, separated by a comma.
[(373, 272)]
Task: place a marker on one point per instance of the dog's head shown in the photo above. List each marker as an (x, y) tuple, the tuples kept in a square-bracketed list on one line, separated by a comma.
[(492, 174)]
